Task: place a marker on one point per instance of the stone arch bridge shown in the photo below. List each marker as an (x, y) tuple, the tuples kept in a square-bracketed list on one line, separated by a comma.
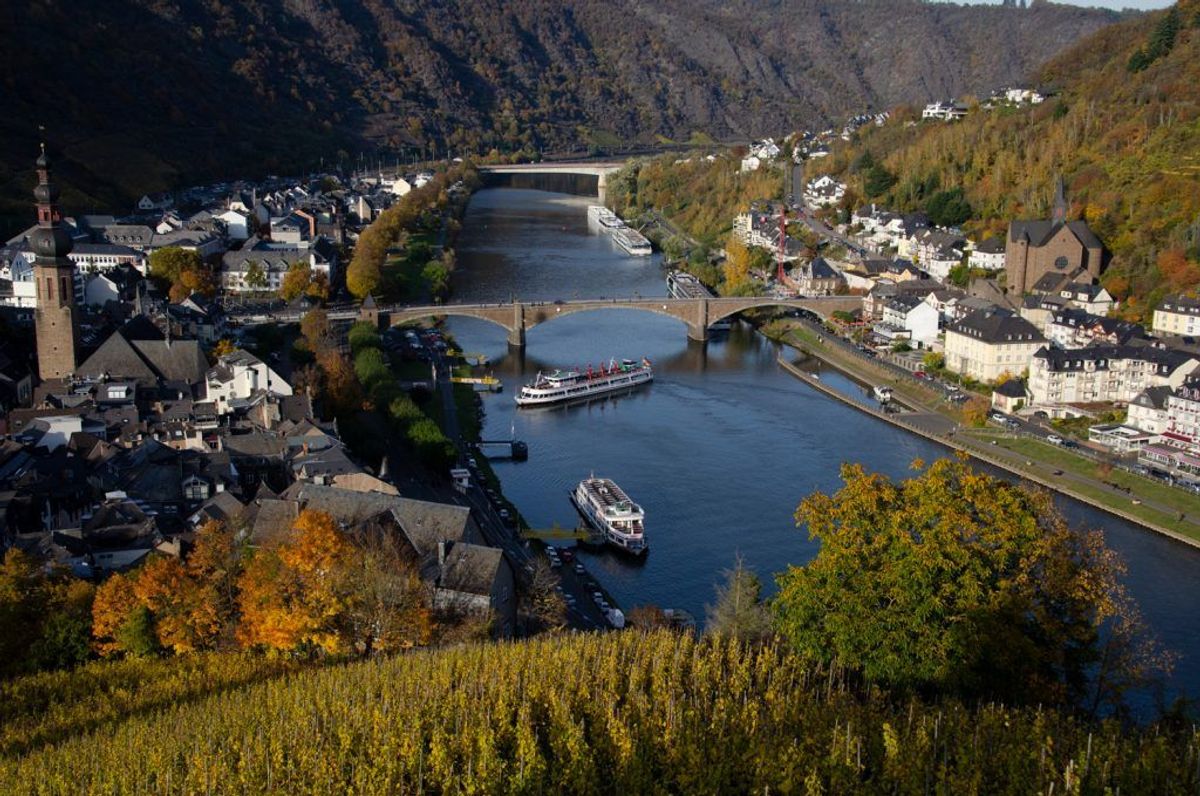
[(592, 168), (516, 318)]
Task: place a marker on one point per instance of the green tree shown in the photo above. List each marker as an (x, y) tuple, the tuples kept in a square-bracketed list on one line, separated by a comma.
[(948, 208), (256, 276), (739, 611), (168, 264), (878, 181), (136, 636), (960, 582)]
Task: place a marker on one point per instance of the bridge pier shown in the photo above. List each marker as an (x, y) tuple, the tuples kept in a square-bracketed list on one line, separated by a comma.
[(516, 332), (697, 333)]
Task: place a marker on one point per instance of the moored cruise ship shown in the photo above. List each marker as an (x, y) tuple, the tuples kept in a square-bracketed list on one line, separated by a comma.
[(609, 510), (599, 214), (632, 241), (572, 385)]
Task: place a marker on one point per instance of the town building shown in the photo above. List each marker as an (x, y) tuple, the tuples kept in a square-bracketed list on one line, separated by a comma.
[(1102, 374), (1077, 328), (1148, 411), (818, 278), (1177, 315), (238, 376), (989, 343), (1065, 249), (907, 316), (988, 255)]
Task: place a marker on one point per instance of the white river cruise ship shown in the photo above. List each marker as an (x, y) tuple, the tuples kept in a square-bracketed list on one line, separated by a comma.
[(572, 385), (609, 510)]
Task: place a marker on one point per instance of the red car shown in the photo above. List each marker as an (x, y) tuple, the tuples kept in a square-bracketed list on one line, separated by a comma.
[(920, 374)]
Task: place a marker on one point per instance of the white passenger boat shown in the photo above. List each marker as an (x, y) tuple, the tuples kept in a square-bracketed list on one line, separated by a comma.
[(882, 394), (572, 385), (609, 510), (632, 241)]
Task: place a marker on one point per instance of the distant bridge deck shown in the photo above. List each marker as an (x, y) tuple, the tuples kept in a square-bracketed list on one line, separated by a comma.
[(516, 318)]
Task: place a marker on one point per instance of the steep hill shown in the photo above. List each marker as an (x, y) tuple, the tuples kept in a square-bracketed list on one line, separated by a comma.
[(616, 713), (1124, 132), (143, 94)]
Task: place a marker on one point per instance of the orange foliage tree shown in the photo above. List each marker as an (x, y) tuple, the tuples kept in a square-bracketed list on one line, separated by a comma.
[(114, 603)]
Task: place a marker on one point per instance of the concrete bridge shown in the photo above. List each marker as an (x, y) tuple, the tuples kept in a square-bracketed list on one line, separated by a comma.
[(592, 168), (516, 318)]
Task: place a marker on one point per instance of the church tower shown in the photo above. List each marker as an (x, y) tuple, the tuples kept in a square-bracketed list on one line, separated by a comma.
[(54, 319)]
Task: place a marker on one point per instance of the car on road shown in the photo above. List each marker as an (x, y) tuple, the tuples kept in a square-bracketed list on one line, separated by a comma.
[(1054, 439), (579, 568)]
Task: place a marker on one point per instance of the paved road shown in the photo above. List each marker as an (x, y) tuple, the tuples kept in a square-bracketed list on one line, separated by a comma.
[(498, 532)]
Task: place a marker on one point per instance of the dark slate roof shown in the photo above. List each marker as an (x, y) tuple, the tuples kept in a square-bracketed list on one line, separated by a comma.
[(424, 523), (1180, 304), (997, 325), (993, 245), (1080, 319), (1153, 397), (1039, 233), (470, 568), (823, 270), (1013, 388), (1165, 360)]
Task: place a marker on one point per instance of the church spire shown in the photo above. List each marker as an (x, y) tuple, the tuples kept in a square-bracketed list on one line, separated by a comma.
[(1060, 202), (54, 275)]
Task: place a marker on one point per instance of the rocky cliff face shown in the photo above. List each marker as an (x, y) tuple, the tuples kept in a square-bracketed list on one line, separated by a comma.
[(141, 94)]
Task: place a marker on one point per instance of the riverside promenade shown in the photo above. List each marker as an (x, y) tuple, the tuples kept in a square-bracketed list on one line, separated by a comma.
[(986, 446)]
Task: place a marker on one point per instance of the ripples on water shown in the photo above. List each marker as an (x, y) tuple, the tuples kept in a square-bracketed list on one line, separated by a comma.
[(722, 446)]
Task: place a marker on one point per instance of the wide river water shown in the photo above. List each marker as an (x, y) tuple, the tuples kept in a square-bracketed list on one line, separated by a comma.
[(723, 445)]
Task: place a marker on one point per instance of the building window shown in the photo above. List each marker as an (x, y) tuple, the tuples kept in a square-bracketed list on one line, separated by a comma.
[(1061, 263)]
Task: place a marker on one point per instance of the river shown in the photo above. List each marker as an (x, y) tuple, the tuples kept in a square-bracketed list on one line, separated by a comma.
[(722, 446)]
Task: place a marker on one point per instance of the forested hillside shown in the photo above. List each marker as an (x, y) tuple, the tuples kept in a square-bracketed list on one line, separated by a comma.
[(143, 94), (1123, 131)]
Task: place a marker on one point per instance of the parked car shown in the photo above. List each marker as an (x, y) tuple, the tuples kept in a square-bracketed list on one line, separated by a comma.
[(1054, 439), (579, 569)]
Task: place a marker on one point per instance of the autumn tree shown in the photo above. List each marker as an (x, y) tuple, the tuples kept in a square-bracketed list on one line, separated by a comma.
[(182, 271), (975, 411), (295, 281), (963, 583), (112, 609), (543, 603), (739, 611), (387, 605), (736, 268), (222, 347), (316, 331), (293, 594)]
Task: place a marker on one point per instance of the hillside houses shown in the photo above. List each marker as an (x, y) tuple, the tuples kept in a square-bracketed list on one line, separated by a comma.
[(947, 111)]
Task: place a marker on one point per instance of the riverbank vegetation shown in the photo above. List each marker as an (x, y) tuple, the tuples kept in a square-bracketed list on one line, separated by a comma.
[(394, 256), (698, 194)]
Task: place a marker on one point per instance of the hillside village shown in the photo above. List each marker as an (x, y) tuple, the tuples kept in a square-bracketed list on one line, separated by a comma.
[(1022, 317), (145, 418)]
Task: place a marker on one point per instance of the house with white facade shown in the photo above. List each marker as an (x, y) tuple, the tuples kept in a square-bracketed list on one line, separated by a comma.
[(274, 260), (239, 376), (1076, 328), (991, 342), (237, 224), (1177, 315), (988, 255), (824, 191), (948, 111), (1102, 374), (1148, 411), (908, 313)]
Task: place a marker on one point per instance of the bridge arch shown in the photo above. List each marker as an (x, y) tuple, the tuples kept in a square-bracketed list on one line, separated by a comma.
[(491, 315)]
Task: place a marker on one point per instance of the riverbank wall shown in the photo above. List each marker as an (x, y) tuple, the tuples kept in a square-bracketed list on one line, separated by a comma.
[(898, 420)]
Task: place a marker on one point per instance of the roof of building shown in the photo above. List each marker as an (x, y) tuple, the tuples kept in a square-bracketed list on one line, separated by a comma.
[(470, 568), (1013, 388), (1039, 233), (1180, 304), (1153, 397), (1099, 357), (997, 326), (146, 361)]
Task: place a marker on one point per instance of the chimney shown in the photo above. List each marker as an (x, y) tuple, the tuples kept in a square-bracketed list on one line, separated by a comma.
[(443, 546)]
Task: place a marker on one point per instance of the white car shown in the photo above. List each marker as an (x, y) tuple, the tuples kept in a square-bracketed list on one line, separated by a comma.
[(1054, 439)]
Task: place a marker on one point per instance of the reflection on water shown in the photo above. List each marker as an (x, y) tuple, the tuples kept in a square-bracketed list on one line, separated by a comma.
[(722, 446)]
